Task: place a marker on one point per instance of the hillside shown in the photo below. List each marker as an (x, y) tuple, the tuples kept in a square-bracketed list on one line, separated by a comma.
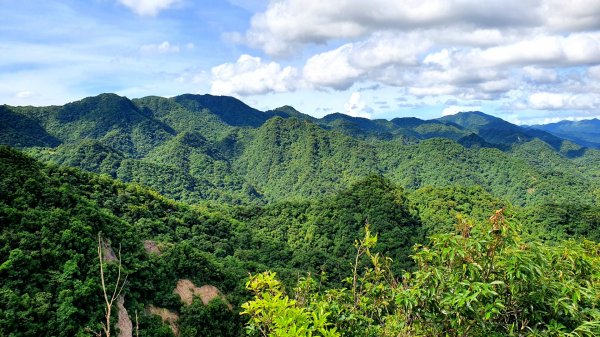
[(280, 191), (201, 147), (583, 132), (499, 132), (50, 225)]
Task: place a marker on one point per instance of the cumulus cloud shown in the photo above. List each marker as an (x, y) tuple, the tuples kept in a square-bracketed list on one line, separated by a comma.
[(374, 57), (357, 107), (539, 75), (527, 54), (594, 73), (148, 7), (289, 24), (571, 15), (251, 76), (332, 69), (580, 48), (559, 101)]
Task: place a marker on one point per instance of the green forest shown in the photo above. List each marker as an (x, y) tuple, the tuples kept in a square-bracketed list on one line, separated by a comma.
[(198, 215)]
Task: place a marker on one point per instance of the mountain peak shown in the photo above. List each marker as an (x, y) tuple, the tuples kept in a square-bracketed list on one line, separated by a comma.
[(229, 109)]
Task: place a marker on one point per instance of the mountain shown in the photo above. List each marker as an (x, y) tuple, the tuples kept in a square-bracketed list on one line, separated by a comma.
[(114, 120), (51, 222), (201, 147), (22, 131), (408, 128), (188, 197), (496, 131), (174, 254), (584, 132)]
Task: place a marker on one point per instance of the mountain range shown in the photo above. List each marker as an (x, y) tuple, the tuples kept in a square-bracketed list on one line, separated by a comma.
[(187, 196), (584, 132), (203, 147)]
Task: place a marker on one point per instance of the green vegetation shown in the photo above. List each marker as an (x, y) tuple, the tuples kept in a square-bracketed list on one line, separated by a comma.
[(584, 132), (200, 147), (197, 192), (485, 280)]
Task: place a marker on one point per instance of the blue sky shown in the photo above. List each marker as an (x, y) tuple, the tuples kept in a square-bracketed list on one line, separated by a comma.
[(528, 61)]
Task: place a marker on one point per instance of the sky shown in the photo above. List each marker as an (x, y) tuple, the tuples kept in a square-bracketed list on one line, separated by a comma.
[(527, 61)]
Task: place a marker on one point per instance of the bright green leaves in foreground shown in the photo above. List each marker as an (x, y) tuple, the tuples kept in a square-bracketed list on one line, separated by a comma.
[(274, 314), (485, 280)]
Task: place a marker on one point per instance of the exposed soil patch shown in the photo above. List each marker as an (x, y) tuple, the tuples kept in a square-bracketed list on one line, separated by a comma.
[(151, 247), (187, 290), (108, 255), (167, 316), (124, 324)]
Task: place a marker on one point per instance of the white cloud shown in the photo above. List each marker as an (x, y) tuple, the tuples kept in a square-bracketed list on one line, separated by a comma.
[(251, 76), (496, 86), (540, 75), (287, 25), (571, 15), (556, 101), (594, 72), (454, 109), (148, 7), (357, 107), (466, 49), (441, 58), (377, 58), (162, 48), (574, 49), (332, 69)]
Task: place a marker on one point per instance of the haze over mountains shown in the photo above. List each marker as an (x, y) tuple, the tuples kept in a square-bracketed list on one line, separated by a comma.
[(203, 147)]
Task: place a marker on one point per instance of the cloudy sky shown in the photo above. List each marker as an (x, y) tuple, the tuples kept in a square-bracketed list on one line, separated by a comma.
[(528, 61)]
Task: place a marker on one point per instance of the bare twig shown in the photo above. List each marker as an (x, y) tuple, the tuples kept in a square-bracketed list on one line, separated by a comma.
[(118, 286)]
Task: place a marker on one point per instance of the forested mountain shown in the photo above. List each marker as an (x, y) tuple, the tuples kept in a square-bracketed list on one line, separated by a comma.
[(374, 227), (50, 269), (497, 131), (51, 221), (202, 147), (585, 132)]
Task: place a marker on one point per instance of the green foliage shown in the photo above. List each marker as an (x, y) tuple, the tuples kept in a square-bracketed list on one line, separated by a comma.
[(283, 191), (20, 131), (488, 281), (272, 313), (484, 281), (201, 147), (584, 132), (438, 208), (49, 274), (212, 320), (318, 236)]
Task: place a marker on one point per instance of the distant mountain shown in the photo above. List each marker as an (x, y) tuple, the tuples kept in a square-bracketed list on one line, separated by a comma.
[(584, 132), (203, 147), (22, 131), (497, 131), (114, 120), (408, 127), (490, 131)]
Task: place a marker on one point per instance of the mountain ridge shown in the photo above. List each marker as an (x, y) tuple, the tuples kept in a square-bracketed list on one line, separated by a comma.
[(204, 147), (584, 132)]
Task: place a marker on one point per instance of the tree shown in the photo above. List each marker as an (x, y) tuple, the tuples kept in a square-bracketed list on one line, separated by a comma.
[(118, 287), (483, 280)]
